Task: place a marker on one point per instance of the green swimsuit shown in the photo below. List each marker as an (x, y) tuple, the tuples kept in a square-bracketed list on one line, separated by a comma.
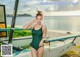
[(36, 38)]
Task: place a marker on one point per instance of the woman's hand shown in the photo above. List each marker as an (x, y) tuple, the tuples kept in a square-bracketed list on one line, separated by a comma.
[(29, 25), (34, 20), (41, 43)]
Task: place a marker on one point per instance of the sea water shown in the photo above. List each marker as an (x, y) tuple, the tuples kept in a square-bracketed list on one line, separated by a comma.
[(65, 23)]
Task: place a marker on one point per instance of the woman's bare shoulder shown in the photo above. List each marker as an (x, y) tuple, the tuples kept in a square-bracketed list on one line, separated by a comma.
[(44, 27)]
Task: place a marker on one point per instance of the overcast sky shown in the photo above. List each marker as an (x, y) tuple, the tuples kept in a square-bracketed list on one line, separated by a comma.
[(31, 6)]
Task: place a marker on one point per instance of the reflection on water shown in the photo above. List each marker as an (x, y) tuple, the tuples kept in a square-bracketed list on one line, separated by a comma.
[(69, 23)]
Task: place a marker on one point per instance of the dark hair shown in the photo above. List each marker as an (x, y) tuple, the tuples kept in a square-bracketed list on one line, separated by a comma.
[(39, 14)]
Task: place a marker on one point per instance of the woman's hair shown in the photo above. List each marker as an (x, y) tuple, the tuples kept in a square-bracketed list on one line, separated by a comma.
[(39, 14)]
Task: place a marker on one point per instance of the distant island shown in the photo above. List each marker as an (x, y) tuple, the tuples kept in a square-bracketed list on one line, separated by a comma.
[(18, 15)]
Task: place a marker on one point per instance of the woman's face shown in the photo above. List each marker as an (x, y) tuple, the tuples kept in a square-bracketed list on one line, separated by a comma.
[(39, 19)]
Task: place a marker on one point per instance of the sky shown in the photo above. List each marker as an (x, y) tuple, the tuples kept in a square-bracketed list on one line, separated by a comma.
[(32, 6)]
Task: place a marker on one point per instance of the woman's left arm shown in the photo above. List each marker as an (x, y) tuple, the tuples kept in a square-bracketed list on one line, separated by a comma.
[(44, 33), (44, 36)]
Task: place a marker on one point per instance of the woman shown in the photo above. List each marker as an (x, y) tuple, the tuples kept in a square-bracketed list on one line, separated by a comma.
[(38, 35)]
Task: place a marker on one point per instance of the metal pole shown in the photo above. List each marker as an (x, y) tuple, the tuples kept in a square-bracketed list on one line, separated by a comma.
[(74, 39), (49, 49), (13, 21)]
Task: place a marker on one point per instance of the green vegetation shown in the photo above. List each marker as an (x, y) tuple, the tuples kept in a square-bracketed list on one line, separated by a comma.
[(20, 33), (78, 46), (74, 52), (0, 54), (0, 49), (71, 53)]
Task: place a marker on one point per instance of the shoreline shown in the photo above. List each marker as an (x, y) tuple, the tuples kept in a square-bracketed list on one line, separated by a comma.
[(62, 31)]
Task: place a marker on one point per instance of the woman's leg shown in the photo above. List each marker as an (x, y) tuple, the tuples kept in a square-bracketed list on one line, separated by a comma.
[(33, 52), (41, 51)]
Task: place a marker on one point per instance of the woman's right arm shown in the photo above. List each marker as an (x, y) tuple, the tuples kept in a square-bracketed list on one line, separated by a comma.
[(29, 25)]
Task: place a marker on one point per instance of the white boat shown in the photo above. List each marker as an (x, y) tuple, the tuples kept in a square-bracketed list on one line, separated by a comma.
[(57, 46)]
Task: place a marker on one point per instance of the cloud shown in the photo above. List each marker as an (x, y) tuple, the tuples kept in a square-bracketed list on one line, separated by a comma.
[(7, 7), (20, 3), (2, 2), (30, 3), (53, 0), (75, 1)]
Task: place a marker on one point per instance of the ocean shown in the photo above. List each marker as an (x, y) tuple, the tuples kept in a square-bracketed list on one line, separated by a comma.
[(64, 23)]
